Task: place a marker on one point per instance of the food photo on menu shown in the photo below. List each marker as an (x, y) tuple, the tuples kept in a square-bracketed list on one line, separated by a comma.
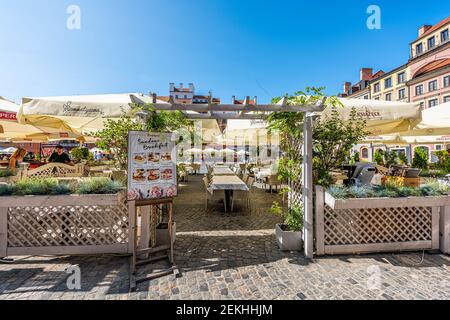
[(153, 174), (154, 157), (166, 157), (139, 158), (139, 175), (167, 174)]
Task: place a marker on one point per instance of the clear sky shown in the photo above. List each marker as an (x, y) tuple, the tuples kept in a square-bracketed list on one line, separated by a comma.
[(233, 47)]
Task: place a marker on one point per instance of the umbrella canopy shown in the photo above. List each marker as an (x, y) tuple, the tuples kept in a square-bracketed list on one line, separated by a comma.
[(382, 117), (77, 114), (8, 109), (433, 128), (9, 150), (14, 131), (227, 150), (194, 151)]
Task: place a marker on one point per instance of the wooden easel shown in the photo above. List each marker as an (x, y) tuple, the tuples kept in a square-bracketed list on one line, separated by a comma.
[(146, 250)]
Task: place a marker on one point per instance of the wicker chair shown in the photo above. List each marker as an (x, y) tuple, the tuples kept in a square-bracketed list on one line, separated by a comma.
[(210, 195), (272, 181)]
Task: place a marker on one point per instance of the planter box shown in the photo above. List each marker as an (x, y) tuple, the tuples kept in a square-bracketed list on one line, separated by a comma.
[(288, 240), (66, 224), (162, 234), (346, 226)]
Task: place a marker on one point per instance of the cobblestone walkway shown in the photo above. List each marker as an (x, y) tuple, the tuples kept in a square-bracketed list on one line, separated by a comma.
[(234, 256)]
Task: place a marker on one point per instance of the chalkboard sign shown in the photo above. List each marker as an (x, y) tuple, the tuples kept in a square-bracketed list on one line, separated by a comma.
[(152, 172)]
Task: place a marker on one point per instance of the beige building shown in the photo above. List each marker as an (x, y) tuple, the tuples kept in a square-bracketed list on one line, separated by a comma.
[(391, 86)]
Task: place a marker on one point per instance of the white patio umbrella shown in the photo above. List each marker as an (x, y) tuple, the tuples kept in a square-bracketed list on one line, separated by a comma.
[(78, 114), (193, 151), (382, 117), (433, 128), (9, 150), (227, 150)]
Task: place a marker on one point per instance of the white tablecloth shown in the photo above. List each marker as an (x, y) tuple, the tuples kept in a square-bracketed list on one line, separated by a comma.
[(223, 171), (228, 183)]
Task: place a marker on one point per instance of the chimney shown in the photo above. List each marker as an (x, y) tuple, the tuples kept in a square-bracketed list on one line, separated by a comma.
[(172, 87), (255, 100), (365, 74), (233, 100), (347, 87), (424, 29), (191, 87), (181, 85)]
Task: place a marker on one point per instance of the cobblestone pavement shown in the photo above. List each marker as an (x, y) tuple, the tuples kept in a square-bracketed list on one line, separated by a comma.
[(234, 256)]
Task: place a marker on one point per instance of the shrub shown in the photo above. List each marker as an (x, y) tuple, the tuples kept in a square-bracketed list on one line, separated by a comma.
[(293, 217), (378, 157), (443, 160), (80, 154), (403, 158), (98, 186), (6, 173), (420, 159), (39, 187), (390, 158)]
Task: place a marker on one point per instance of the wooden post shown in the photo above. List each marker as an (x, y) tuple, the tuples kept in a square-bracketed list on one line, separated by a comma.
[(320, 228), (444, 243), (435, 228), (144, 241), (3, 232), (132, 226), (307, 193)]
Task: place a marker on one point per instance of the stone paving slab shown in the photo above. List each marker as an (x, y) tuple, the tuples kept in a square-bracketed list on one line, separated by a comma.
[(233, 256)]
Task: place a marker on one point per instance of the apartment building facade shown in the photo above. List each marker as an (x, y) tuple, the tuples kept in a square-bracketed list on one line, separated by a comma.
[(424, 79)]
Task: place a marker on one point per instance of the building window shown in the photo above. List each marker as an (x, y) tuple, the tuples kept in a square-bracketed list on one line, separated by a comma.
[(432, 85), (432, 103), (366, 97), (438, 147), (388, 83), (364, 153), (401, 77), (421, 105), (388, 97), (419, 48), (444, 36), (446, 99), (446, 81), (377, 98), (376, 87), (419, 90), (401, 94), (431, 43)]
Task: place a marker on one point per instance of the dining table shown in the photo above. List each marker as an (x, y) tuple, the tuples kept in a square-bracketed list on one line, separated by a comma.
[(228, 184), (222, 171)]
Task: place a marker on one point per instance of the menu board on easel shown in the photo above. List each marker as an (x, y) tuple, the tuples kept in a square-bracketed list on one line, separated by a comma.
[(152, 171)]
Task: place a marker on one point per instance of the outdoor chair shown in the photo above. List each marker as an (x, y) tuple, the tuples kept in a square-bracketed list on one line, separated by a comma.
[(364, 177), (210, 195), (240, 196), (250, 182), (272, 181)]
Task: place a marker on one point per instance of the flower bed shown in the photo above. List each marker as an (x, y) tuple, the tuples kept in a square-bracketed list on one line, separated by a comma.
[(360, 225), (52, 221)]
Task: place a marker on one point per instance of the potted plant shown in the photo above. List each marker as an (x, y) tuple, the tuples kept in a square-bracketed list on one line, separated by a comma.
[(289, 234)]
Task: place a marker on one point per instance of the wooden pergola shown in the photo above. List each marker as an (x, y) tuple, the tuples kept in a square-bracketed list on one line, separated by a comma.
[(260, 111)]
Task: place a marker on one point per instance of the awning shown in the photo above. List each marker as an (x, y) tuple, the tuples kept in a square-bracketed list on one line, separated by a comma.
[(8, 109)]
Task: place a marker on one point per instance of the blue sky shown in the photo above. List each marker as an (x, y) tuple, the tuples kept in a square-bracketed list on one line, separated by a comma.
[(233, 47)]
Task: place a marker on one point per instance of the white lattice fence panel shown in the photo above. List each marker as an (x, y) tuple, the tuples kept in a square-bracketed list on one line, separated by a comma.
[(377, 225), (69, 225)]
